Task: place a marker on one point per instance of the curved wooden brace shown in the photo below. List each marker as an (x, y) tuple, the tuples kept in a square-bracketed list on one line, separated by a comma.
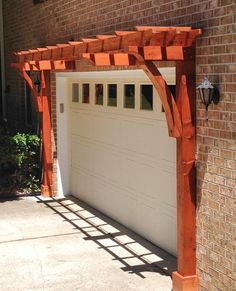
[(170, 107), (167, 99)]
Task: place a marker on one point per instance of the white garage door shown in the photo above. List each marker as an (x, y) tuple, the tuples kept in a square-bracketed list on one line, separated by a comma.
[(122, 160)]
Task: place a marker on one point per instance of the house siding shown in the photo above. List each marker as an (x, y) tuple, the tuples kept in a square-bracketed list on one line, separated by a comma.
[(27, 26)]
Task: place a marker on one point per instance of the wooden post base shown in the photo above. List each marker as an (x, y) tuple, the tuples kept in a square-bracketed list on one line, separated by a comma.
[(187, 283), (46, 191)]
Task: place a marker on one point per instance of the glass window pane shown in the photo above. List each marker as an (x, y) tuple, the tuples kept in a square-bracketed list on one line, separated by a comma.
[(172, 90), (112, 95), (146, 97), (99, 94), (85, 93), (129, 96), (75, 92)]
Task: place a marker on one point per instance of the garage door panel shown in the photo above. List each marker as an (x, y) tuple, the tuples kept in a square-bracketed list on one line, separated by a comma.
[(106, 164), (148, 180), (164, 224), (138, 176), (81, 124), (98, 166), (81, 155), (138, 137), (164, 146), (79, 182), (106, 130), (103, 196), (149, 140), (167, 189), (124, 163), (138, 216)]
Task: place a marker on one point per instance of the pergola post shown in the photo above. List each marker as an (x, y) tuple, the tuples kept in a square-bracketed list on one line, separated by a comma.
[(42, 101), (46, 187), (185, 278)]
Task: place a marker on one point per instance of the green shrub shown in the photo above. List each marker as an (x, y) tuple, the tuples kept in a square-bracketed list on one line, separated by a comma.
[(20, 160)]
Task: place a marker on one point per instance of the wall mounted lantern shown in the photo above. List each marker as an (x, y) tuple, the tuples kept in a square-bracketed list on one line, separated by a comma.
[(208, 94), (37, 85)]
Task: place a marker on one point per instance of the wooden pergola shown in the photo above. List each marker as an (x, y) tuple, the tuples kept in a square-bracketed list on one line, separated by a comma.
[(141, 48)]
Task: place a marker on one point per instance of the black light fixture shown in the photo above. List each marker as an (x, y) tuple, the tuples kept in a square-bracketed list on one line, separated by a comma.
[(37, 84), (208, 94), (38, 1)]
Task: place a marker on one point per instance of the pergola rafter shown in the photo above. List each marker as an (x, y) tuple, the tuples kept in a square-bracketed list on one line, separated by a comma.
[(140, 48), (166, 39)]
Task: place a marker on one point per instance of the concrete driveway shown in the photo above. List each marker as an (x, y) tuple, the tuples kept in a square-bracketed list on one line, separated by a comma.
[(49, 244)]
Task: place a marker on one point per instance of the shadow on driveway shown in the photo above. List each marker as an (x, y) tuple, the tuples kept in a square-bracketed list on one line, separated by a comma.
[(136, 254)]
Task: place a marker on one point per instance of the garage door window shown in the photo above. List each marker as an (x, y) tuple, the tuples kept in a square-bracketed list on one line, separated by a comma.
[(75, 92), (146, 97), (129, 96), (99, 94), (85, 93), (112, 95)]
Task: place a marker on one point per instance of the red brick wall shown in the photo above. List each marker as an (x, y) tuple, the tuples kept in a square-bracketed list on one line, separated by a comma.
[(28, 26)]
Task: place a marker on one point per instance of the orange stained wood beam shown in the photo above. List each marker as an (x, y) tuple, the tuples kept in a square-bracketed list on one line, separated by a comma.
[(45, 65), (185, 278), (49, 59), (42, 101), (47, 183), (158, 53), (112, 58)]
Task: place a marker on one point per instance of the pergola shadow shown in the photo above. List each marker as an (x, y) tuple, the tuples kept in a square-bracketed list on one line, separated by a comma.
[(136, 254)]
